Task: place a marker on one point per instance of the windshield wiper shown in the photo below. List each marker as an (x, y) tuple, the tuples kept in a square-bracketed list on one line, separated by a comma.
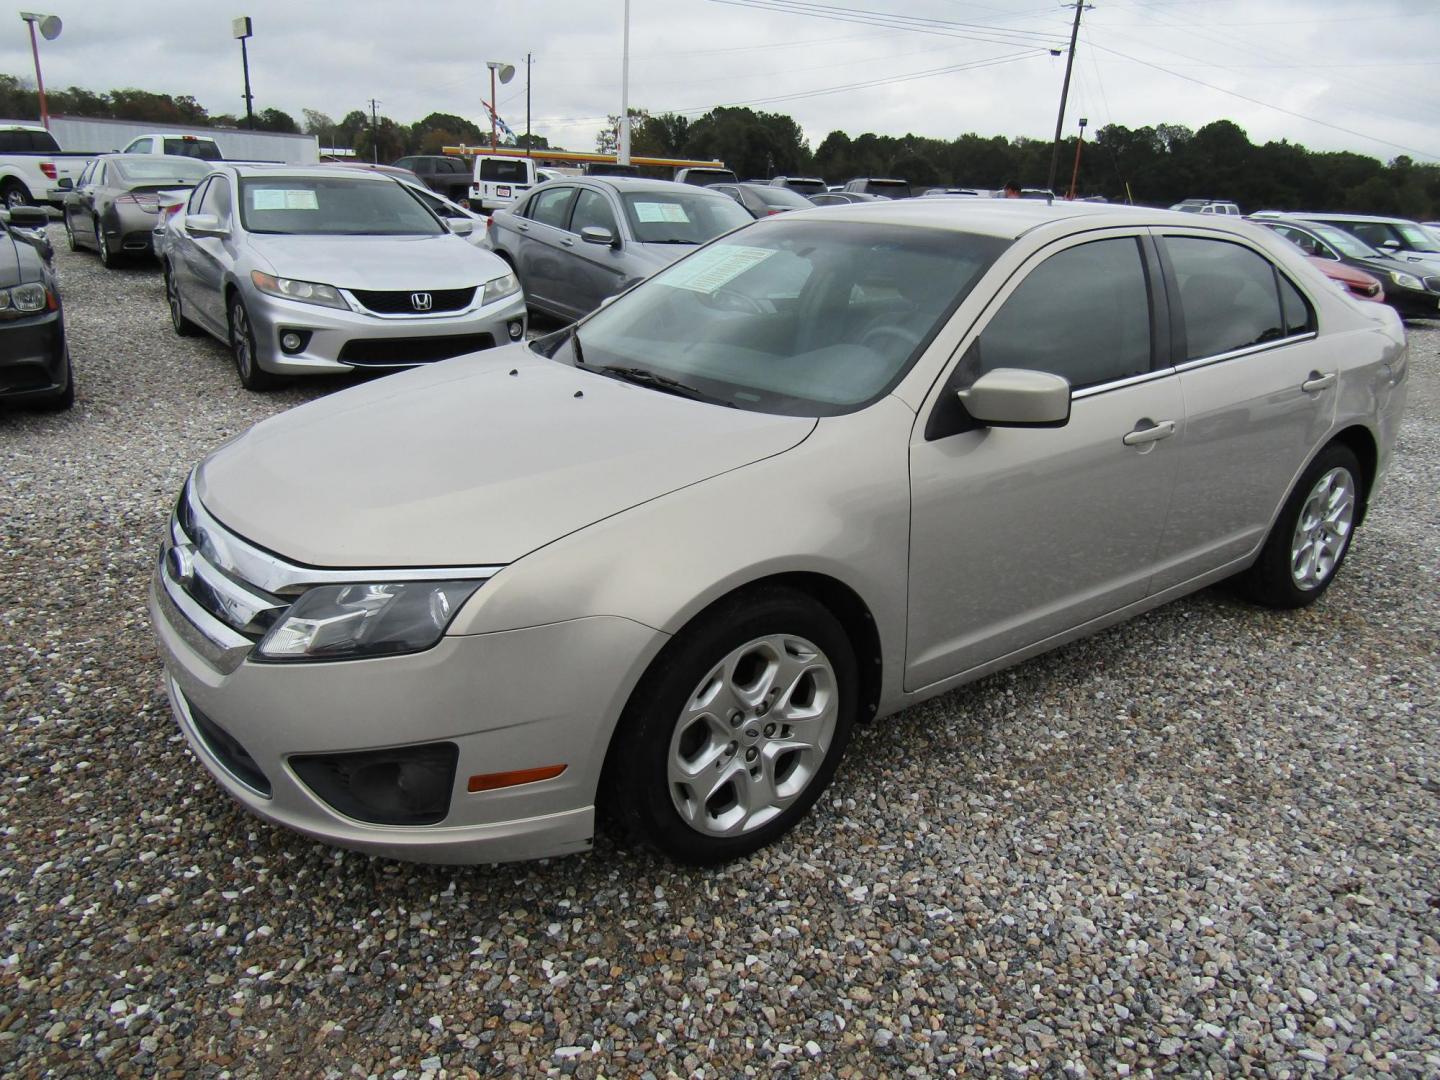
[(575, 345), (692, 243), (646, 377)]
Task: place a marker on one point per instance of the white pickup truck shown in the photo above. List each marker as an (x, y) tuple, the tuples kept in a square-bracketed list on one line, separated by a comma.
[(195, 146), (32, 166)]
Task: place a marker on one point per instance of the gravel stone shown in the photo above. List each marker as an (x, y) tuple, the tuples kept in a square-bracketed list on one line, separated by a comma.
[(1204, 842)]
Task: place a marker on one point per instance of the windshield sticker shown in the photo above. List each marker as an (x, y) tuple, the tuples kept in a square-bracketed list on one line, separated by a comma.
[(709, 270), (657, 211), (283, 199)]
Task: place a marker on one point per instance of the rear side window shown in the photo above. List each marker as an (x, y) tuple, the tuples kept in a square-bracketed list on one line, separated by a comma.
[(1299, 315), (502, 172), (1230, 297), (1083, 313), (550, 207)]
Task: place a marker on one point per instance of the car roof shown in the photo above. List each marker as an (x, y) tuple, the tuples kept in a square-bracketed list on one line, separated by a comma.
[(330, 171), (624, 184), (1316, 215), (21, 127), (1010, 219)]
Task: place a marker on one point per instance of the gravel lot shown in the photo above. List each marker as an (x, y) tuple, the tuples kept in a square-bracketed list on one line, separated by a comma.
[(1205, 842)]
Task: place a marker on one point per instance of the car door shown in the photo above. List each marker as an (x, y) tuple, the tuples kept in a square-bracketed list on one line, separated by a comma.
[(1260, 391), (1020, 534), (596, 270), (212, 256), (539, 256), (77, 211)]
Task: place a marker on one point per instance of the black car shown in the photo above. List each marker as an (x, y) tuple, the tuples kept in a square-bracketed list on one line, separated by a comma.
[(34, 363), (450, 176), (762, 200), (1407, 285)]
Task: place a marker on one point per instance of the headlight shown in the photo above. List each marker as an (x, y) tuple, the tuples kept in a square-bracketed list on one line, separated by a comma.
[(307, 292), (21, 300), (500, 288), (1406, 281), (344, 622)]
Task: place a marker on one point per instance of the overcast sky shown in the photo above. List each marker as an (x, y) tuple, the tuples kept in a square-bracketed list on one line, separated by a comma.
[(1375, 77)]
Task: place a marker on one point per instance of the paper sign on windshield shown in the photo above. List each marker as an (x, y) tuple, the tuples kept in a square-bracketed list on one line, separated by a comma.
[(657, 211), (283, 199), (711, 269)]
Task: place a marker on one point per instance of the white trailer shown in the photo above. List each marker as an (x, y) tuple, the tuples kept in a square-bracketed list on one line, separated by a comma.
[(77, 133)]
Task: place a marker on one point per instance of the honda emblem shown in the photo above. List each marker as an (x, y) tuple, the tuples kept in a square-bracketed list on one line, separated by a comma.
[(421, 301)]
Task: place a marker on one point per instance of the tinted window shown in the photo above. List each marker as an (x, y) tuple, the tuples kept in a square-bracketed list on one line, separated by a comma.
[(1083, 313), (806, 187), (678, 216), (592, 210), (12, 141), (1299, 317), (550, 207), (405, 163), (500, 171), (1228, 294), (890, 189), (707, 176), (203, 149)]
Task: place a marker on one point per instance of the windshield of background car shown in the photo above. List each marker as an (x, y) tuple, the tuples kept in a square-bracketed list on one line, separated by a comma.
[(680, 216), (890, 189), (322, 206), (781, 198), (159, 170), (498, 170), (1344, 242), (806, 187), (1416, 238), (203, 149), (806, 318)]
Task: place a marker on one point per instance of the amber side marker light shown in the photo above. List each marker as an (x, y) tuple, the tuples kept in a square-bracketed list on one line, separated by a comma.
[(491, 781)]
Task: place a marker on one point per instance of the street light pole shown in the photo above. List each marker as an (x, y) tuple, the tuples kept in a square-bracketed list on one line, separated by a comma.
[(242, 28), (1075, 176), (493, 140), (623, 150), (1080, 6), (49, 30)]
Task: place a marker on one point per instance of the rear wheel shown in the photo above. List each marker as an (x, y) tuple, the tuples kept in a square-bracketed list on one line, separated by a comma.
[(102, 247), (736, 729), (242, 347), (70, 235), (1311, 537), (182, 326)]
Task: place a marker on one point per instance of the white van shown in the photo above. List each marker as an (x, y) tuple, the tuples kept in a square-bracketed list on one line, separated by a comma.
[(499, 181)]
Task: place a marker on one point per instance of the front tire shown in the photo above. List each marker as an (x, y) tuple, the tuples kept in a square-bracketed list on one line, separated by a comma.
[(1312, 535), (14, 194), (736, 729), (243, 349)]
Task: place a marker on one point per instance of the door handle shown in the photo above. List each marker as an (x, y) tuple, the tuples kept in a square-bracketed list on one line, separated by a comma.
[(1152, 433), (523, 227), (1317, 382), (567, 243)]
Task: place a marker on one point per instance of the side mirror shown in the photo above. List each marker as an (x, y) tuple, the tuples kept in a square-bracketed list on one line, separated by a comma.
[(594, 234), (1018, 397), (204, 225), (461, 226), (65, 184), (29, 217), (1389, 245)]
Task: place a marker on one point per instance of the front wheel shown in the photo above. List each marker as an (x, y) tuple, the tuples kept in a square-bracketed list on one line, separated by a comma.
[(1311, 537), (14, 194), (242, 347), (736, 729)]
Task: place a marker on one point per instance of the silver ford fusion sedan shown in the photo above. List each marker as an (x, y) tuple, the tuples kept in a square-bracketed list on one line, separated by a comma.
[(321, 270), (829, 465)]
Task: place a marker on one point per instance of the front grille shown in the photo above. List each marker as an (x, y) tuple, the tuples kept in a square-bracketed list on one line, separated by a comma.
[(402, 352), (1433, 284), (226, 749), (403, 303)]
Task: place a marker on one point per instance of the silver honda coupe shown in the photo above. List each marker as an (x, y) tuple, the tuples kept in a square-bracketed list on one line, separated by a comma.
[(314, 271), (827, 466)]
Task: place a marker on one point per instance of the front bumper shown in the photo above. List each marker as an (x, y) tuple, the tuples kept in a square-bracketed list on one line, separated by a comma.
[(32, 356), (336, 340), (511, 700)]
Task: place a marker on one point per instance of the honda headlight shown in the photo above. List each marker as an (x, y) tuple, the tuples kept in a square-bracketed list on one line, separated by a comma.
[(21, 300), (500, 288), (1406, 281), (307, 292), (346, 622)]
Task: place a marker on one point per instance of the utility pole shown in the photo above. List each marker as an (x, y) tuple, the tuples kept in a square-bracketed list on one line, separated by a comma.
[(374, 133), (1075, 176), (1079, 7), (527, 106), (622, 150)]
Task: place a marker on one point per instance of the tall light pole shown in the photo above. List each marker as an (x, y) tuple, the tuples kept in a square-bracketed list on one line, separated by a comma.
[(242, 28), (623, 149), (1080, 7), (49, 30), (507, 72)]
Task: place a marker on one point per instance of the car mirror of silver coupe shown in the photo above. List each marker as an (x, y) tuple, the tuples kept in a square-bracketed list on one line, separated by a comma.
[(204, 225), (1017, 397), (594, 234), (462, 226)]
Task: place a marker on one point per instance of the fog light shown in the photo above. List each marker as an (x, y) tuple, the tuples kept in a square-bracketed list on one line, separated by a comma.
[(517, 329), (406, 785), (292, 341)]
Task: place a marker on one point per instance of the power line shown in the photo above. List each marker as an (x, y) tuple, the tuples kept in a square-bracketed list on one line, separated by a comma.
[(944, 28)]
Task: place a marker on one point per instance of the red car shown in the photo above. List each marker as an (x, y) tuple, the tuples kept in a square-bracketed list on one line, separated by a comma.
[(1357, 283)]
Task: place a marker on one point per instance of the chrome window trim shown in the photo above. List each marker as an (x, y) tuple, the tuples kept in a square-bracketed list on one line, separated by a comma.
[(1249, 350), (232, 555), (1120, 384)]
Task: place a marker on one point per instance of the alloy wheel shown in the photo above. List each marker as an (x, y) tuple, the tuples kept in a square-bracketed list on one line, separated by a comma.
[(753, 735), (1322, 529), (240, 340), (172, 295)]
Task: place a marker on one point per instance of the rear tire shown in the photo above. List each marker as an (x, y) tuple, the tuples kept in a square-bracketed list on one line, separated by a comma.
[(243, 349), (108, 258), (182, 326), (736, 729), (1312, 535), (70, 235)]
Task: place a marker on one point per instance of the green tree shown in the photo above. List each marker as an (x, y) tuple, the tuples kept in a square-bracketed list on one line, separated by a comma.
[(608, 141)]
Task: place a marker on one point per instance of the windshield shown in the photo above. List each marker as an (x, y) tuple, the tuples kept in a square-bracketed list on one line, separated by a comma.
[(681, 216), (1416, 238), (322, 206), (805, 318), (890, 189), (1344, 243), (806, 187), (781, 197), (159, 170), (204, 149)]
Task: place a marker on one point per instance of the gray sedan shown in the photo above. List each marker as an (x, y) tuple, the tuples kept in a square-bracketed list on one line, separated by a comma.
[(117, 198), (574, 243), (313, 270)]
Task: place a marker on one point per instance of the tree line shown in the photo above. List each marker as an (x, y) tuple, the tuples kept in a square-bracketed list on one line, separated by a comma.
[(1156, 165)]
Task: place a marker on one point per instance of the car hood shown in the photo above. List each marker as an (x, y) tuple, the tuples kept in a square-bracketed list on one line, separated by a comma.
[(20, 260), (473, 461), (385, 263)]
